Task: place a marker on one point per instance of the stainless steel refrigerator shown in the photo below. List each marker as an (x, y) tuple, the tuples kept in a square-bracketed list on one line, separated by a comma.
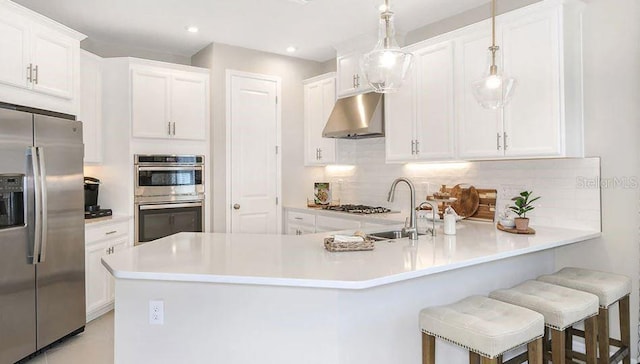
[(42, 289)]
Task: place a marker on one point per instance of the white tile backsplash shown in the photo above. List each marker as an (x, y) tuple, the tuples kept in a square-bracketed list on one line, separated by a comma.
[(565, 201)]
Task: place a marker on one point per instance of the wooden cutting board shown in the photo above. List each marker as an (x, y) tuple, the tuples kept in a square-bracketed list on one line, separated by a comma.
[(467, 200)]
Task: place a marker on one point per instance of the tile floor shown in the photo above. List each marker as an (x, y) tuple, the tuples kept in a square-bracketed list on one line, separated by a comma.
[(94, 345)]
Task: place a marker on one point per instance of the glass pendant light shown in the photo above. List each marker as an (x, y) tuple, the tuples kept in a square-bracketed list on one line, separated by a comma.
[(494, 90), (386, 66)]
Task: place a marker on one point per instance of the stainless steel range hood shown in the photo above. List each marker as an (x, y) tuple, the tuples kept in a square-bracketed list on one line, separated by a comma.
[(356, 117)]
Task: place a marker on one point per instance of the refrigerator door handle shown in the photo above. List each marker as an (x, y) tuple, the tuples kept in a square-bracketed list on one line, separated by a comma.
[(43, 212), (37, 233)]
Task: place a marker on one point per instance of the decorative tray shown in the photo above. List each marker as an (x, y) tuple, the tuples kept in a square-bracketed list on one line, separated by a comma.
[(529, 231), (332, 246)]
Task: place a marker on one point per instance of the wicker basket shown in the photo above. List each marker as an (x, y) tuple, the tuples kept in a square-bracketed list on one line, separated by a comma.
[(332, 246)]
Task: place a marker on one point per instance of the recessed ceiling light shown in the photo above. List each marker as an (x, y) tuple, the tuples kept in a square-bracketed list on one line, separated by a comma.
[(291, 49), (192, 29)]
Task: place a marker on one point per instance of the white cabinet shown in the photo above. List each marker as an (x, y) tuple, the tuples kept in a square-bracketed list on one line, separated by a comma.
[(326, 223), (319, 99), (351, 79), (91, 106), (535, 122), (420, 117), (299, 223), (435, 116), (169, 104), (102, 239), (39, 64)]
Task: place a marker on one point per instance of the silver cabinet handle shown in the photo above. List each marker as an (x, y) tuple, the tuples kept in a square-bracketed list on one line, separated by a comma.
[(35, 74), (108, 251), (357, 80), (174, 128), (236, 206), (30, 73), (498, 146), (111, 232), (417, 147), (169, 128), (413, 147), (506, 144), (297, 218), (319, 154), (354, 81)]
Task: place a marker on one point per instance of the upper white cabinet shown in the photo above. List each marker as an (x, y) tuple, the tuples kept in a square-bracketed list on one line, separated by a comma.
[(319, 99), (420, 117), (532, 124), (350, 78), (167, 103), (91, 106), (539, 47), (39, 62)]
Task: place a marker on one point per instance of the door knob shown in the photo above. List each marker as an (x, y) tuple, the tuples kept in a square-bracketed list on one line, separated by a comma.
[(236, 207)]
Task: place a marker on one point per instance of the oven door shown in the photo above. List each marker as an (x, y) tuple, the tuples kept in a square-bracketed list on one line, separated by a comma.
[(169, 180), (155, 221)]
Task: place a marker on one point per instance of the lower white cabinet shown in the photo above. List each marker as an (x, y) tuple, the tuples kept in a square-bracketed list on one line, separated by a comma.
[(301, 223), (102, 239)]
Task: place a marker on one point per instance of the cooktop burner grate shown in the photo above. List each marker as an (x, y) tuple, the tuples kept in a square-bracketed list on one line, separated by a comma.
[(359, 209)]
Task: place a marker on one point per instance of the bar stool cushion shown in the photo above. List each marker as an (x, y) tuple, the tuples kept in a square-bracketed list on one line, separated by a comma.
[(483, 325), (560, 306), (608, 287)]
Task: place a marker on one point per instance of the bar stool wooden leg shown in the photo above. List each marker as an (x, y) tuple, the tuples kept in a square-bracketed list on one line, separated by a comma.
[(474, 358), (591, 339), (603, 336), (535, 349), (568, 341), (546, 349), (625, 328), (428, 349), (558, 355)]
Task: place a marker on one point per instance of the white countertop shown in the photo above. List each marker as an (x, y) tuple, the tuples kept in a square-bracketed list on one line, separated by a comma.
[(99, 221), (302, 261)]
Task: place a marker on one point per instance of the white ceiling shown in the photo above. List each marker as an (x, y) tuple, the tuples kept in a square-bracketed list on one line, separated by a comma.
[(267, 25)]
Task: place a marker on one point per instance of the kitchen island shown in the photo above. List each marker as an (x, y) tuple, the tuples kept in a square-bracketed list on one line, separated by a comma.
[(234, 298)]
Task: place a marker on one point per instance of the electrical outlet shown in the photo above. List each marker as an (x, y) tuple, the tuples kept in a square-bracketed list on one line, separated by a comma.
[(156, 312)]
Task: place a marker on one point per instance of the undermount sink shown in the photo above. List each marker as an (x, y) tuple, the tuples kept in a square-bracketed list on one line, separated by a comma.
[(388, 235)]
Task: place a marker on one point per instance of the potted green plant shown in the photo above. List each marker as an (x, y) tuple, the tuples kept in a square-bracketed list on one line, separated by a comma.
[(523, 204)]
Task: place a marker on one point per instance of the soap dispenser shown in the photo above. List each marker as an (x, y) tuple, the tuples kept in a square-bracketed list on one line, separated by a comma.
[(449, 221)]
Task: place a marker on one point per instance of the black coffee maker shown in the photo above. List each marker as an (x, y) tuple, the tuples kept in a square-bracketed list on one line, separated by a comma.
[(91, 207)]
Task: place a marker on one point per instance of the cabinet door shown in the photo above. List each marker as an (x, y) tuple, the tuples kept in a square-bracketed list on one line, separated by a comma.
[(434, 94), (346, 69), (319, 99), (14, 57), (150, 103), (118, 245), (531, 55), (400, 118), (91, 106), (53, 58), (97, 277), (327, 145), (479, 129), (189, 106)]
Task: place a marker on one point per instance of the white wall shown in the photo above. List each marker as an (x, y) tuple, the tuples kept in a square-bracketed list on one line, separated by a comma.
[(612, 128), (297, 181)]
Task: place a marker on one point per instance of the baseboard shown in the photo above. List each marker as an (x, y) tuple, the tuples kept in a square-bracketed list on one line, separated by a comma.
[(99, 312)]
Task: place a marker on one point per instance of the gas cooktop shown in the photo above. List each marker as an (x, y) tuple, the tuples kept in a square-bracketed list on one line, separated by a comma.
[(358, 209)]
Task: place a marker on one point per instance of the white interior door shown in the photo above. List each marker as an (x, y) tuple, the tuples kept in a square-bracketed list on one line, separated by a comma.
[(254, 160)]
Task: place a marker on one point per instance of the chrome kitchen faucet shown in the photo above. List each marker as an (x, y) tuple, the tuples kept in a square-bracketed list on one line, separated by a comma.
[(412, 230)]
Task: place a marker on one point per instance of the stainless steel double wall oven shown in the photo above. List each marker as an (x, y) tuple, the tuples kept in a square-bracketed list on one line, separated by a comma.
[(169, 195)]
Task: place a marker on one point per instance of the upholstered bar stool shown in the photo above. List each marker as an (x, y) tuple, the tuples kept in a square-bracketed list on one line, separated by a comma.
[(610, 289), (562, 308), (487, 328)]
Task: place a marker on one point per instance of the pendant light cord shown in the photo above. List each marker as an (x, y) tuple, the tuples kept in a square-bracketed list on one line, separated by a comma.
[(386, 15), (493, 48)]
